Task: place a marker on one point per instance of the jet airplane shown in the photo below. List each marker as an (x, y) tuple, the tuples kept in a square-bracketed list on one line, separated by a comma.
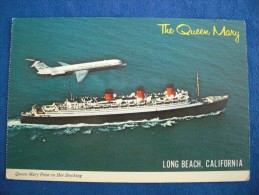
[(80, 70)]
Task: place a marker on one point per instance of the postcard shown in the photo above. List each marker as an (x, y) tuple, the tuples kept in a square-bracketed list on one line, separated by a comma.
[(139, 100)]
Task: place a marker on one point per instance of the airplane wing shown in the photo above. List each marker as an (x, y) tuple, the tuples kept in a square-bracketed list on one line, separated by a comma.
[(63, 64), (80, 75)]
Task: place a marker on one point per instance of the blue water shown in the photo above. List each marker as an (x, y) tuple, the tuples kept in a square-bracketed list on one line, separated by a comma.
[(153, 60)]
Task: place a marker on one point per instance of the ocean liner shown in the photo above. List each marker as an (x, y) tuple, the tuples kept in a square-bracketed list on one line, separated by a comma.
[(137, 106)]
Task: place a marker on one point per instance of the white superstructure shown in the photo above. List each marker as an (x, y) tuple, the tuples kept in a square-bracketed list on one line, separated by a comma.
[(87, 106)]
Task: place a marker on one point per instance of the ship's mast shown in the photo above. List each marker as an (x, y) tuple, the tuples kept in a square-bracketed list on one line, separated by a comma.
[(197, 86), (70, 91)]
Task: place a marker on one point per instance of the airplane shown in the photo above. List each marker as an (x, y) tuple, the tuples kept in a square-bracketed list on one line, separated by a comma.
[(80, 70)]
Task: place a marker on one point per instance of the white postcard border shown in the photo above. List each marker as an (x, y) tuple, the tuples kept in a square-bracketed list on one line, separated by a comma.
[(128, 177)]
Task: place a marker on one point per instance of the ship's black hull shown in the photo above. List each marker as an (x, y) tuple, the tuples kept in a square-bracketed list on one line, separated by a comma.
[(100, 119)]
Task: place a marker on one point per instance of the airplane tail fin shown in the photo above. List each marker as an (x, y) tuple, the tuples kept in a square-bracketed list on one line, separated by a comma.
[(37, 64)]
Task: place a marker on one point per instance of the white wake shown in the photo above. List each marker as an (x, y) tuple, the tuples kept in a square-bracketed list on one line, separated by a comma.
[(15, 124)]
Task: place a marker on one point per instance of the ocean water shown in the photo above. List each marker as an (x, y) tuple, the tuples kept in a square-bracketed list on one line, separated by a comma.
[(153, 60)]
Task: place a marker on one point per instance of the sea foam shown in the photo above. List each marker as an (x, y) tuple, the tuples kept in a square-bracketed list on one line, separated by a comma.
[(15, 125)]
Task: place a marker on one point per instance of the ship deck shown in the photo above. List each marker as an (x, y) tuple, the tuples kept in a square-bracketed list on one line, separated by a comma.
[(119, 110)]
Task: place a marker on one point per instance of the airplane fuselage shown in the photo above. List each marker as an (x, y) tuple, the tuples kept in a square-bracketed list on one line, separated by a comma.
[(89, 66)]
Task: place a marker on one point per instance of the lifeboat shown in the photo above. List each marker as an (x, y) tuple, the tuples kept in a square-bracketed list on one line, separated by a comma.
[(49, 108), (166, 101), (105, 105), (175, 100), (123, 104), (88, 106), (158, 101), (114, 105), (183, 99), (132, 103), (81, 107), (141, 103), (97, 106)]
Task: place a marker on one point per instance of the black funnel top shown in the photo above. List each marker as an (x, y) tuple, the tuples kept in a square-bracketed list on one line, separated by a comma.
[(170, 85), (109, 91), (140, 88)]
